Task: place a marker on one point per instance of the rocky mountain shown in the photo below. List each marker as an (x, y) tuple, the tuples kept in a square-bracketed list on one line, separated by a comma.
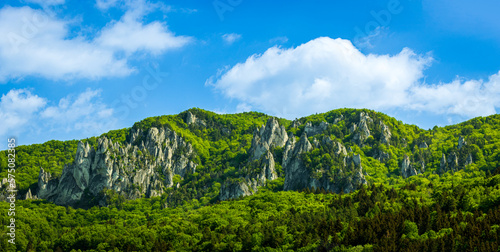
[(143, 167), (199, 155)]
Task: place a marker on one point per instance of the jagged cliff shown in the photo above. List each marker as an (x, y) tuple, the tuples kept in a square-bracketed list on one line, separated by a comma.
[(208, 157), (144, 166), (297, 175), (270, 136)]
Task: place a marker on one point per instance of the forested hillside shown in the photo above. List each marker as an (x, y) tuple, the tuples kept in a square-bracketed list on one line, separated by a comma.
[(345, 180)]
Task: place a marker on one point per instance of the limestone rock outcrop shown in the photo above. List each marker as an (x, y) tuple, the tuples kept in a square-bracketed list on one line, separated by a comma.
[(269, 136), (272, 134), (143, 167), (407, 168), (449, 164), (312, 130), (191, 119), (443, 165), (235, 189), (363, 132), (248, 185), (469, 160), (423, 145), (298, 176), (461, 142), (382, 156), (385, 137)]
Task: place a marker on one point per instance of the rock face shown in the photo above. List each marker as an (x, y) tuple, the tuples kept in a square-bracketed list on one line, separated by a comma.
[(353, 128), (30, 196), (443, 165), (423, 145), (469, 160), (338, 119), (422, 167), (453, 162), (191, 119), (382, 156), (269, 136), (144, 166), (461, 142), (312, 130), (151, 160), (272, 134), (339, 149), (236, 189), (407, 169), (298, 176), (385, 137), (268, 171), (450, 163), (3, 189), (363, 132), (296, 123)]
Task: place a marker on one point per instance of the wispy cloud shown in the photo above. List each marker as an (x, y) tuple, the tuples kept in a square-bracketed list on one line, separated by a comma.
[(46, 2), (29, 116), (279, 40), (367, 41), (83, 112), (230, 38), (106, 4)]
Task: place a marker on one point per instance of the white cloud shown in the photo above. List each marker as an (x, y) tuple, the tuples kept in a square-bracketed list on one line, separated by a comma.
[(367, 41), (39, 44), (279, 40), (130, 35), (17, 108), (105, 4), (31, 118), (325, 73), (468, 98), (85, 112), (230, 38), (243, 107)]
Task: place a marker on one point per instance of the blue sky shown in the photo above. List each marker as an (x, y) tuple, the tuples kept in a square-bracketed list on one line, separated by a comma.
[(75, 69)]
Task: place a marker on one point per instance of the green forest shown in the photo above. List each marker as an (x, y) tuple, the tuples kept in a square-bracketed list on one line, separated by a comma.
[(457, 209)]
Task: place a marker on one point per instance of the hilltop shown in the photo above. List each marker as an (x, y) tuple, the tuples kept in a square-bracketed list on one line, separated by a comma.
[(206, 156), (345, 180)]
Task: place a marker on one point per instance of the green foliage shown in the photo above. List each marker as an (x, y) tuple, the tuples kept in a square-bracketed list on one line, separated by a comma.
[(51, 156), (378, 218), (456, 210)]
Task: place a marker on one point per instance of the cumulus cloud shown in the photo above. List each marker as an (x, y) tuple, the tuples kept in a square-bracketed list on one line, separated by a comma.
[(17, 108), (326, 73), (230, 38), (37, 43)]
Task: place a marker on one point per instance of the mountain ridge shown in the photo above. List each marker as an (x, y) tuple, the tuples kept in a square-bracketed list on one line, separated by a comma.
[(235, 154)]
